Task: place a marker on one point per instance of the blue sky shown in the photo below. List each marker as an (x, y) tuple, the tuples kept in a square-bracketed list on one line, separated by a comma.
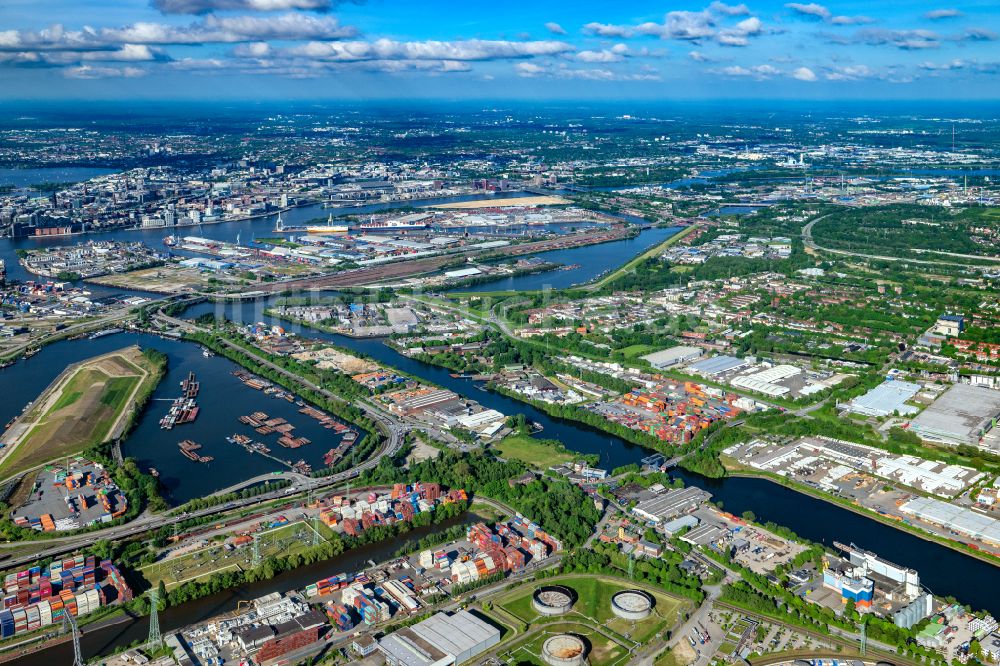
[(583, 49)]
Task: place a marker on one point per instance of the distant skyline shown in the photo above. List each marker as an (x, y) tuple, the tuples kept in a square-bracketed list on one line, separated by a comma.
[(444, 49)]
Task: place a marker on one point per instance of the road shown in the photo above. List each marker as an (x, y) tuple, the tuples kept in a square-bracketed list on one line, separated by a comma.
[(100, 322)]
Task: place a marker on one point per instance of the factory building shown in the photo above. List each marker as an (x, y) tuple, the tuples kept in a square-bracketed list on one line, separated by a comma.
[(962, 415), (966, 522), (440, 640), (666, 358), (669, 504), (885, 399), (872, 564), (858, 589), (718, 365)]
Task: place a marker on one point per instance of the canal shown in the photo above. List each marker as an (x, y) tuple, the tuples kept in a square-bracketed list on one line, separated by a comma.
[(584, 264), (942, 570), (104, 640)]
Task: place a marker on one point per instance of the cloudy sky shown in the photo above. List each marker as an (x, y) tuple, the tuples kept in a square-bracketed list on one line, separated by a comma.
[(548, 49)]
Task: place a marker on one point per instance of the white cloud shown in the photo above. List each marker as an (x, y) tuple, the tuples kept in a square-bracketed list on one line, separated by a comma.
[(804, 74), (532, 70), (909, 40), (555, 28), (604, 55), (206, 6), (810, 9), (821, 12), (850, 73), (607, 30), (682, 25), (387, 49), (945, 13), (528, 69), (90, 72), (851, 20), (210, 29), (729, 10), (952, 64), (759, 72)]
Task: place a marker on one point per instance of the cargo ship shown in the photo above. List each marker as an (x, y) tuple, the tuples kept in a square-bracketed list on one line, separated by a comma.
[(328, 228), (183, 410), (189, 448), (408, 223)]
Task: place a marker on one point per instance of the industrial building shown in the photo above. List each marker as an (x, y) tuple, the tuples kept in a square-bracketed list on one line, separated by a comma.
[(668, 504), (765, 381), (962, 415), (718, 365), (440, 640), (667, 358), (963, 521), (886, 399), (841, 579)]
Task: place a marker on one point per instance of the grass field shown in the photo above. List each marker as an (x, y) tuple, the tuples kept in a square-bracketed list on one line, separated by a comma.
[(637, 350), (602, 650), (80, 409), (533, 452), (214, 558), (594, 603)]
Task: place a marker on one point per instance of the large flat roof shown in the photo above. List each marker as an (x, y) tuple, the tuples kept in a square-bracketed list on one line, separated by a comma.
[(959, 415), (672, 503), (886, 398), (672, 354), (437, 638), (717, 365)]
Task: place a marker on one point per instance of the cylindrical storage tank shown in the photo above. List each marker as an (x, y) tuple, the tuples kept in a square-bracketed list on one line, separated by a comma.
[(632, 604), (553, 600), (564, 650)]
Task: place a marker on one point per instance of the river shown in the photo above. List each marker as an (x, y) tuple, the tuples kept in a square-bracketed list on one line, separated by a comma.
[(244, 230), (589, 263), (38, 176)]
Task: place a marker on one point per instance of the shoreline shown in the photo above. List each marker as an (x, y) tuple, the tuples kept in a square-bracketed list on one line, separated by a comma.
[(321, 203), (872, 515)]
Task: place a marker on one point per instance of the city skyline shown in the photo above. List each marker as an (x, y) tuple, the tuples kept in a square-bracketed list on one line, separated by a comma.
[(324, 49)]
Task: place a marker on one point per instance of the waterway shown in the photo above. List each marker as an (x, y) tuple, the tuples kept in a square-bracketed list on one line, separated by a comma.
[(102, 641), (590, 263), (222, 400), (29, 177), (243, 230)]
